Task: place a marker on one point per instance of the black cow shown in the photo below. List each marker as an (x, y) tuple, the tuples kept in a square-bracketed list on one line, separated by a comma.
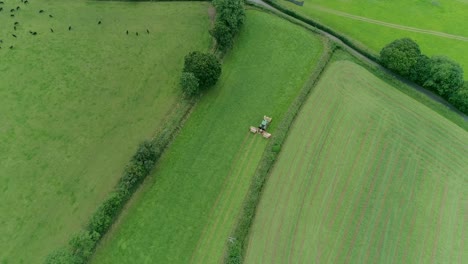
[(99, 23), (136, 33), (17, 8), (147, 31), (14, 27), (16, 23), (13, 35), (41, 11), (127, 32), (51, 30), (12, 15), (69, 28), (1, 8), (12, 10), (51, 16), (11, 47)]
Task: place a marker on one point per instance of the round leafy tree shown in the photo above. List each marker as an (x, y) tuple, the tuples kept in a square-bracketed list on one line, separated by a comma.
[(400, 55), (205, 67), (189, 84)]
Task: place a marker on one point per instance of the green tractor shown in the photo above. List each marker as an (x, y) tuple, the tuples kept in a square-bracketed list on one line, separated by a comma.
[(261, 129)]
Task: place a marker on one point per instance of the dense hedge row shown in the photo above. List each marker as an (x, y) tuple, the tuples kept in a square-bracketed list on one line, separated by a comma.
[(438, 74), (82, 245), (230, 16), (236, 247), (328, 30)]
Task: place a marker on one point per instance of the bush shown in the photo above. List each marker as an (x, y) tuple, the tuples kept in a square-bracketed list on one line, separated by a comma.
[(445, 76), (83, 244), (205, 67), (421, 70), (400, 56), (459, 99), (62, 256), (146, 155), (223, 36), (231, 13), (189, 83)]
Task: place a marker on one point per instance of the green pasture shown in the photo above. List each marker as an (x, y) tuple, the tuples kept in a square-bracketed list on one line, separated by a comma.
[(186, 210), (75, 104), (366, 175), (446, 16)]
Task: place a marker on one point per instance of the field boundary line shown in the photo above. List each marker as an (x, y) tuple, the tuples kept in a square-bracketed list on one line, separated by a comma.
[(390, 25)]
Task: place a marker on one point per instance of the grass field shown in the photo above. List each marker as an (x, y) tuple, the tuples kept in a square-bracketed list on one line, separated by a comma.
[(75, 104), (366, 175), (185, 212), (444, 16)]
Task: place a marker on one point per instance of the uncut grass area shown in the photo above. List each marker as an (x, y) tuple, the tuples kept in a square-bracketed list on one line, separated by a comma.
[(444, 16), (366, 175), (74, 105), (187, 209)]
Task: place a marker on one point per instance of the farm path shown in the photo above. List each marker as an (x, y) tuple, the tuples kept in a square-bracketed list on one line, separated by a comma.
[(391, 25), (363, 57)]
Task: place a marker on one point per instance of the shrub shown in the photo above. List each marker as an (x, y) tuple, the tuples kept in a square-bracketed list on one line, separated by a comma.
[(421, 70), (400, 55), (459, 99), (83, 244), (189, 83), (231, 13), (445, 76), (146, 155), (205, 67), (223, 36), (62, 256)]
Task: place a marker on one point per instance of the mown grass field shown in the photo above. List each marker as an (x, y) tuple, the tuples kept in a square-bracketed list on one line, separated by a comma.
[(75, 104), (366, 175), (444, 16), (185, 212)]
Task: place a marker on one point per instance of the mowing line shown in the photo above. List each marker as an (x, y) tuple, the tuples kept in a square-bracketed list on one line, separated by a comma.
[(318, 131), (323, 168), (463, 237), (439, 222), (299, 168), (391, 25), (212, 210)]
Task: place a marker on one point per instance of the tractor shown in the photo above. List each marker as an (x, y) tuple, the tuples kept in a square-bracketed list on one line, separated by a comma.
[(261, 129)]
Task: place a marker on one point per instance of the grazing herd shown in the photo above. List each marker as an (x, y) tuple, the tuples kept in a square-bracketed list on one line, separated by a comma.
[(16, 24)]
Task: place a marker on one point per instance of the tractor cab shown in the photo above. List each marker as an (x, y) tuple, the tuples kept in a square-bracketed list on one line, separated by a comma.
[(262, 127)]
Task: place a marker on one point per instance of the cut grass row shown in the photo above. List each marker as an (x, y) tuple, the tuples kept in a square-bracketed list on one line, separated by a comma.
[(186, 211), (443, 16), (367, 174), (75, 104)]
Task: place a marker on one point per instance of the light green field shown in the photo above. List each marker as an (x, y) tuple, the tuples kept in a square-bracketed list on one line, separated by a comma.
[(446, 16), (366, 175), (186, 210), (75, 104)]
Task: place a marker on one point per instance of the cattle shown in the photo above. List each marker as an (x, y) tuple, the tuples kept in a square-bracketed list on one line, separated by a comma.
[(51, 16), (14, 27), (13, 35), (127, 32), (99, 23), (17, 8), (51, 30), (16, 23), (69, 28), (12, 10), (12, 15), (136, 33), (41, 11), (147, 31), (11, 47), (1, 2), (34, 33), (1, 8)]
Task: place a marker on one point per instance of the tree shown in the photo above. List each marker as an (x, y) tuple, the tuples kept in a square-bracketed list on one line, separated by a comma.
[(62, 256), (204, 66), (445, 76), (223, 36), (231, 13), (189, 83), (400, 55), (420, 72), (459, 99)]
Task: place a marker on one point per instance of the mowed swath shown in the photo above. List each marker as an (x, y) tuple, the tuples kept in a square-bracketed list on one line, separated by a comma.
[(74, 105), (367, 175), (187, 209), (373, 28)]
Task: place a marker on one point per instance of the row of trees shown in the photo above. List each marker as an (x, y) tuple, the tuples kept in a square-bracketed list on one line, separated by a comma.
[(202, 70), (439, 74)]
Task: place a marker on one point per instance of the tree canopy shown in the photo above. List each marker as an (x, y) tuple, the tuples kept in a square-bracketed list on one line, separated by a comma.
[(400, 55), (205, 67)]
